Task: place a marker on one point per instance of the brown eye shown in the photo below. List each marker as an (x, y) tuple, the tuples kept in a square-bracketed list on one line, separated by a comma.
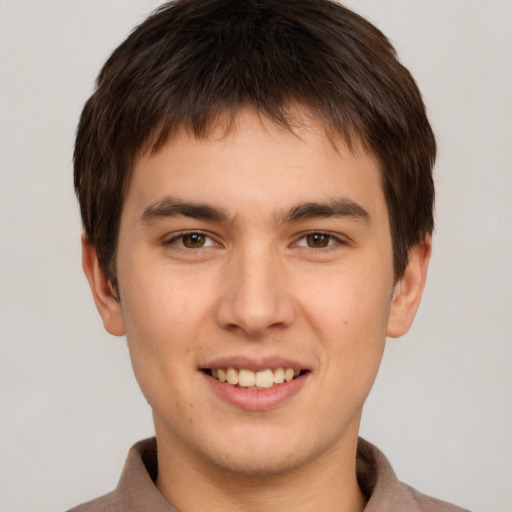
[(193, 240), (317, 240)]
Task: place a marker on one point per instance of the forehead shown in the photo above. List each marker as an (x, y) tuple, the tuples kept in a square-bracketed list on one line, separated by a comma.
[(251, 160)]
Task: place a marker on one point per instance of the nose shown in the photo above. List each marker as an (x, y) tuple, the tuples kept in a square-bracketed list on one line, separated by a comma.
[(256, 295)]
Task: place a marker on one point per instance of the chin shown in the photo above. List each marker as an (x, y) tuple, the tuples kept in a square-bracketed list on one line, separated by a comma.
[(262, 456), (262, 464)]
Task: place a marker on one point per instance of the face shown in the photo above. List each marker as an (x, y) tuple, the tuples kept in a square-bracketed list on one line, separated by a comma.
[(263, 258)]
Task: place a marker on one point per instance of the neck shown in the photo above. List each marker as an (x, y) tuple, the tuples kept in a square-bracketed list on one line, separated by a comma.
[(327, 483)]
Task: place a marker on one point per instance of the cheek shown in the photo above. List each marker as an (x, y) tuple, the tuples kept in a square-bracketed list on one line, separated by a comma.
[(349, 316), (159, 300), (160, 342), (163, 316), (351, 299)]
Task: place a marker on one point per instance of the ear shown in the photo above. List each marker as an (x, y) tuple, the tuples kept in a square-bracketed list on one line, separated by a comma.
[(104, 295), (407, 292)]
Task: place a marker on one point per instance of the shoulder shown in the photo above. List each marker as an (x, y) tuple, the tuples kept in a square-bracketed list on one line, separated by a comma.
[(429, 504), (135, 484), (136, 489), (107, 503), (385, 492)]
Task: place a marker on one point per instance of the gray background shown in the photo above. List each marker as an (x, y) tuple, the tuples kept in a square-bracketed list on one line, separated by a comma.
[(70, 407)]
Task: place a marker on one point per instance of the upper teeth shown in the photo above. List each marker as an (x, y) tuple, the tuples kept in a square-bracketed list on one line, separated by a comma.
[(247, 378)]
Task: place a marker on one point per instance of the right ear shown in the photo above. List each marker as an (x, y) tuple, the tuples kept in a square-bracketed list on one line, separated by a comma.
[(104, 295)]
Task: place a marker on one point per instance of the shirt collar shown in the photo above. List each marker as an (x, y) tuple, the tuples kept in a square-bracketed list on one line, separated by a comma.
[(137, 490)]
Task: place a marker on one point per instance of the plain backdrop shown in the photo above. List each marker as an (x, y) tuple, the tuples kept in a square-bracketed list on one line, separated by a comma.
[(70, 407)]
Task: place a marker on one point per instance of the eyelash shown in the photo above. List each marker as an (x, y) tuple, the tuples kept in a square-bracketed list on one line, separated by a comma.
[(180, 237), (333, 241)]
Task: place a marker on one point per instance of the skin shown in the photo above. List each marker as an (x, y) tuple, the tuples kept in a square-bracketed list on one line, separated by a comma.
[(256, 286)]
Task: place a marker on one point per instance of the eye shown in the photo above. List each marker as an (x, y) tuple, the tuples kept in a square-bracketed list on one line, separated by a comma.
[(191, 240), (318, 240)]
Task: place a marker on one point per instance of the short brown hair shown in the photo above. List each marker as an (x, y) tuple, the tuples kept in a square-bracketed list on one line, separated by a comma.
[(193, 61)]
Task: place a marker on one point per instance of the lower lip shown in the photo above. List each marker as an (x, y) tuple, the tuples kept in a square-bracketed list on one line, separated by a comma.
[(256, 400)]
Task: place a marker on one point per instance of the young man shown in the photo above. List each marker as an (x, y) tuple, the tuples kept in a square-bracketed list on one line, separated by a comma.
[(255, 183)]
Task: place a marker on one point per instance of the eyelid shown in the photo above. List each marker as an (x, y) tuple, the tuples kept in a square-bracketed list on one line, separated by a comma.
[(337, 238), (175, 237)]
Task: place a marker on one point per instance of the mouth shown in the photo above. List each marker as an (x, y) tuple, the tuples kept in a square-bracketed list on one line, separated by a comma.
[(243, 378)]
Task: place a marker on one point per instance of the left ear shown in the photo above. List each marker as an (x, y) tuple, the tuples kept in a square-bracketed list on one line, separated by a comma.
[(407, 292)]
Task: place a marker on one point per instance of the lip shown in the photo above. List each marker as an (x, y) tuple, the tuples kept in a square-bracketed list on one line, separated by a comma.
[(256, 400), (255, 364)]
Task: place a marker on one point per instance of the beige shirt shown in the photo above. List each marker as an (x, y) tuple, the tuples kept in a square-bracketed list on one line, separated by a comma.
[(137, 491)]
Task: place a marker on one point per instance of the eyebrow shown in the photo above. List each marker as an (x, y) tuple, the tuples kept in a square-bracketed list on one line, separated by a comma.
[(173, 207), (334, 208)]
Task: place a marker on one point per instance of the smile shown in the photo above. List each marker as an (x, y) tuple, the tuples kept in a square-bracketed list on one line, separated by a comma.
[(248, 379)]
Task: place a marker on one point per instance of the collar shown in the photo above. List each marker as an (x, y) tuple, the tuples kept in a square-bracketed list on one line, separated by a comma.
[(136, 489)]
